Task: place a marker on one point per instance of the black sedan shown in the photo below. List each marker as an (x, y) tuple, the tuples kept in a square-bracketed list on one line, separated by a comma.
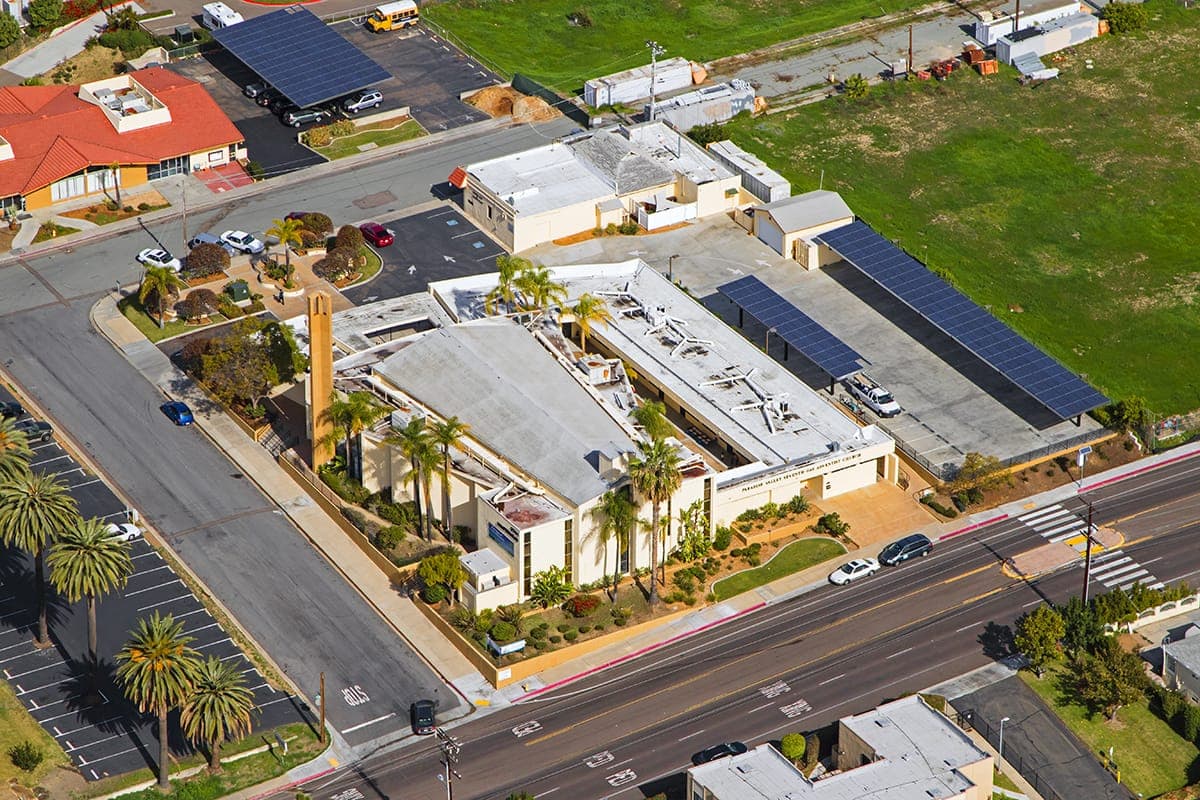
[(723, 750)]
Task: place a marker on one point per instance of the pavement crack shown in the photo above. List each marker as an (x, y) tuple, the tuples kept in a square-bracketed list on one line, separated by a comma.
[(49, 288), (222, 520)]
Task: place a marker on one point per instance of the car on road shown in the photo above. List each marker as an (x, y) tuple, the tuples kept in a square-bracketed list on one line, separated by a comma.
[(157, 257), (125, 531), (304, 116), (422, 715), (35, 430), (376, 234), (208, 238), (853, 570), (723, 750), (253, 90), (11, 409), (914, 546), (178, 412), (368, 99), (243, 242)]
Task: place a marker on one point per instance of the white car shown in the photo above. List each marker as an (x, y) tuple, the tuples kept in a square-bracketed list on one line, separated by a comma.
[(125, 531), (157, 257), (853, 570), (242, 241)]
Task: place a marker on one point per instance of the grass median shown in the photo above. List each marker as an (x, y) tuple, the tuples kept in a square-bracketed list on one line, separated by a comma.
[(795, 557), (379, 135)]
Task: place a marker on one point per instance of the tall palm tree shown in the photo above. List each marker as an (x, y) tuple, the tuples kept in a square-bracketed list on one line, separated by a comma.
[(656, 476), (287, 231), (538, 289), (162, 283), (349, 418), (447, 434), (508, 267), (34, 509), (652, 416), (615, 516), (15, 451), (589, 310), (86, 562), (416, 445), (218, 709), (158, 672)]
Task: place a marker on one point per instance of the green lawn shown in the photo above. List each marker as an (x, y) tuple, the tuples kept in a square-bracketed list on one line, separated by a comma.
[(133, 312), (1070, 218), (374, 264), (1153, 758), (16, 726), (349, 146), (52, 230), (536, 38), (793, 558), (1004, 782)]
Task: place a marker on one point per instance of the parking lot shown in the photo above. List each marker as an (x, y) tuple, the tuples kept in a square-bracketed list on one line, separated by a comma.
[(430, 246), (111, 737)]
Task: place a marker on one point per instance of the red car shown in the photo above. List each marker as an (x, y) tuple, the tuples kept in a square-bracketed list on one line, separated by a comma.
[(376, 234)]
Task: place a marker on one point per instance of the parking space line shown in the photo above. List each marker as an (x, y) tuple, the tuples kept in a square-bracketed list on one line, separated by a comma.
[(30, 672), (235, 655), (14, 658), (47, 460), (60, 716), (201, 628), (84, 763), (76, 748), (261, 706), (194, 611), (21, 691), (58, 733), (487, 257), (86, 483), (148, 570), (210, 644), (152, 588), (164, 602)]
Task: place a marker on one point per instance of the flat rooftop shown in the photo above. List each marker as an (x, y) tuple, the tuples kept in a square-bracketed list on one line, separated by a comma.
[(749, 163), (539, 180), (676, 152), (724, 381)]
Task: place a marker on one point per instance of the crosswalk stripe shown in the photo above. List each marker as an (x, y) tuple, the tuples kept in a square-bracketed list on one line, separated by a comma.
[(1064, 536), (1157, 585), (1128, 576), (1033, 516), (1127, 586), (1109, 555), (1098, 566), (1109, 574)]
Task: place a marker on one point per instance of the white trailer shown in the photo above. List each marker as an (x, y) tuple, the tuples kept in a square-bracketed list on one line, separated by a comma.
[(992, 25), (717, 103), (219, 15), (632, 85), (1049, 38)]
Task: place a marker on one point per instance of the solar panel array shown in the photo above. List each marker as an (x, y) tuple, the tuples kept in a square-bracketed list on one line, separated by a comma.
[(298, 54), (793, 326), (1047, 381)]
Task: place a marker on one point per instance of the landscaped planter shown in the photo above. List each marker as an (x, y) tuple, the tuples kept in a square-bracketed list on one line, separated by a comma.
[(504, 649)]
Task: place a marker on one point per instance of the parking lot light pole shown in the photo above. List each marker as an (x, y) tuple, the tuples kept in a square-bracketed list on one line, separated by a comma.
[(671, 267), (1000, 749)]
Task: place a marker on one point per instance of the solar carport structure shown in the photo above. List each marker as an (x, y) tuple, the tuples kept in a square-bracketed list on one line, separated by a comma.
[(307, 61), (793, 326), (956, 315)]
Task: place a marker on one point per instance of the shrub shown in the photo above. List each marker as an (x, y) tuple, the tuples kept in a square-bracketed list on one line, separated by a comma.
[(434, 593), (770, 510), (194, 306), (610, 229), (620, 621), (144, 206), (502, 632), (334, 266), (949, 513), (44, 14), (584, 628), (1125, 17), (317, 223), (207, 259), (550, 587), (723, 538), (355, 517), (628, 228), (684, 581), (581, 605), (563, 627), (705, 135), (462, 619), (599, 626), (540, 645), (537, 634), (131, 43), (571, 635), (555, 640), (753, 561), (318, 137), (26, 755), (389, 537), (309, 239), (513, 614), (349, 237), (798, 504), (342, 127), (833, 524), (749, 515), (1189, 723)]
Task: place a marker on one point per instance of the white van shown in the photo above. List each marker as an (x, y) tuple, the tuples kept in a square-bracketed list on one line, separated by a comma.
[(219, 15)]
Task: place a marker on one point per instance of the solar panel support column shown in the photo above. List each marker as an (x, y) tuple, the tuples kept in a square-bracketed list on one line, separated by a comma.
[(741, 317)]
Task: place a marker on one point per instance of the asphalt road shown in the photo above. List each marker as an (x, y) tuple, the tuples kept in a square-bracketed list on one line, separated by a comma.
[(630, 731)]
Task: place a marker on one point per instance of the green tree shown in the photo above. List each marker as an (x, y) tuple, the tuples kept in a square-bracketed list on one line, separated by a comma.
[(833, 524), (10, 30), (1125, 17), (447, 435), (538, 290), (505, 293), (15, 451), (88, 562), (792, 746), (416, 444), (158, 671), (44, 14), (35, 509), (286, 231), (350, 416), (694, 538), (551, 587), (161, 284), (656, 475), (706, 134), (1038, 635), (615, 516), (238, 368), (124, 18), (856, 87), (1082, 629), (652, 417), (588, 311), (978, 472), (218, 709), (1131, 413), (1110, 678), (442, 569)]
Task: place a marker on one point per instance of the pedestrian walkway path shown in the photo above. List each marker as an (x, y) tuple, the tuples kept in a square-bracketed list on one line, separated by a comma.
[(1112, 568), (69, 41)]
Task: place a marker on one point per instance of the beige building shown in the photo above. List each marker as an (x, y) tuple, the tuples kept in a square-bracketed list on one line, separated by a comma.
[(648, 173), (789, 226), (903, 750)]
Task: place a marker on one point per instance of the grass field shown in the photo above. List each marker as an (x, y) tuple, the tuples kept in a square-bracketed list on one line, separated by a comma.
[(536, 38), (1072, 216), (17, 726), (793, 558), (1152, 758)]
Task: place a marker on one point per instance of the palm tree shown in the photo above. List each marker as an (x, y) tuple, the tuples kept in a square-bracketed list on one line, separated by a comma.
[(656, 476), (218, 709), (349, 418), (615, 515), (287, 231), (162, 282), (652, 416), (15, 451), (588, 310), (447, 434), (34, 509), (86, 562), (415, 444), (538, 289), (158, 671), (508, 267)]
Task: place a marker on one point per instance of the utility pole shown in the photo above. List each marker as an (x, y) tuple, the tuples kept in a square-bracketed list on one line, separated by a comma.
[(1087, 559), (656, 50), (1017, 18), (909, 65), (321, 699), (451, 747), (183, 188)]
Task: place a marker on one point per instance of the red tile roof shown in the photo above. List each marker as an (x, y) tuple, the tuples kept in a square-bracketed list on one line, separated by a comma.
[(55, 134), (458, 178)]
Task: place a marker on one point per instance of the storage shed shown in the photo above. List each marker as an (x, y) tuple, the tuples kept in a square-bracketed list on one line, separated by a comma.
[(716, 103), (1049, 38), (633, 85), (788, 226), (992, 25), (757, 178)]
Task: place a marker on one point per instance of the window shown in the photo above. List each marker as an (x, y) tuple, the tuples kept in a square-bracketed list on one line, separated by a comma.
[(67, 187), (569, 549), (168, 167), (102, 179), (503, 538), (233, 152), (216, 157), (527, 577)]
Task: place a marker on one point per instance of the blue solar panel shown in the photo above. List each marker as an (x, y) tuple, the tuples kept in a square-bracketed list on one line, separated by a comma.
[(1047, 381), (793, 326), (298, 54)]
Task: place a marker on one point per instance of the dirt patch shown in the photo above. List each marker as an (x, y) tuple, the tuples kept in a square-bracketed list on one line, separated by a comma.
[(503, 101), (93, 64), (100, 214)]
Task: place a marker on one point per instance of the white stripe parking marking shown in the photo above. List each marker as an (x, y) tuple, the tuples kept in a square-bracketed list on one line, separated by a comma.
[(152, 588), (353, 728), (164, 602), (210, 644)]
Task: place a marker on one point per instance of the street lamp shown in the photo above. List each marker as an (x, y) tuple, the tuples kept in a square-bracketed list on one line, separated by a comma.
[(767, 342), (1000, 749), (671, 267)]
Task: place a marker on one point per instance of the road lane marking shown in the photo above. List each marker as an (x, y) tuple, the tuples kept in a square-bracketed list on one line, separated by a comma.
[(1033, 603), (548, 791), (831, 680), (902, 652), (967, 574), (697, 733), (760, 708), (977, 624), (360, 725)]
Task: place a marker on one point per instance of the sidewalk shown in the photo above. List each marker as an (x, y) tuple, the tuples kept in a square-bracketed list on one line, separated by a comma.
[(69, 41)]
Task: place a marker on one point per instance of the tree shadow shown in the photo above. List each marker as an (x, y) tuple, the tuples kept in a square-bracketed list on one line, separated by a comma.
[(997, 641), (17, 575), (674, 787)]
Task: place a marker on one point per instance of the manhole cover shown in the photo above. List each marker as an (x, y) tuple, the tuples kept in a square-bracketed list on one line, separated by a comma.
[(375, 200)]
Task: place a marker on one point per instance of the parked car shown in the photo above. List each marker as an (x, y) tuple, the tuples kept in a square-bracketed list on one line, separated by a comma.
[(157, 257), (723, 750), (125, 531), (304, 116), (918, 544), (281, 105), (265, 99), (368, 99), (852, 571), (178, 412), (376, 234), (11, 409), (243, 242), (35, 430), (253, 90), (422, 714), (208, 238)]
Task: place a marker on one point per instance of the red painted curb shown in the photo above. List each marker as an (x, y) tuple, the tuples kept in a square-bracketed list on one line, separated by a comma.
[(1137, 471), (284, 788), (970, 528), (648, 648)]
